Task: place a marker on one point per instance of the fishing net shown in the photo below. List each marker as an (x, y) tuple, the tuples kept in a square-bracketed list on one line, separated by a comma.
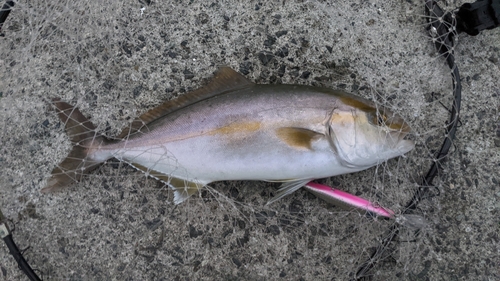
[(114, 60)]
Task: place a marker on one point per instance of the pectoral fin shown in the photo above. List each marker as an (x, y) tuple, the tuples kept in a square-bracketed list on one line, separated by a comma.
[(183, 189), (288, 188), (298, 137)]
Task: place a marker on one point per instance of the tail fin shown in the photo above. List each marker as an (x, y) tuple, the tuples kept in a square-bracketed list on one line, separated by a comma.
[(83, 137)]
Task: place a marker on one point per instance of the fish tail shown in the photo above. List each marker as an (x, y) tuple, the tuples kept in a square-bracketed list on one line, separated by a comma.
[(84, 138)]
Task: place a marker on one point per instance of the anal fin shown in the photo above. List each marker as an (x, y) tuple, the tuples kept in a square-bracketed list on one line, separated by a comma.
[(183, 189)]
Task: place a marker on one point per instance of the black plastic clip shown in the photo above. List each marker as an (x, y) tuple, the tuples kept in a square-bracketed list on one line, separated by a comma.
[(4, 13), (473, 18), (470, 18)]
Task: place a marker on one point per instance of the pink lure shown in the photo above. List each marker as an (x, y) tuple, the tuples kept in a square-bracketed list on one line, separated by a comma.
[(338, 197)]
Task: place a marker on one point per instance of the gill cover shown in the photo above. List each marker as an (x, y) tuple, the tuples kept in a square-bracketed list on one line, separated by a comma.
[(364, 136)]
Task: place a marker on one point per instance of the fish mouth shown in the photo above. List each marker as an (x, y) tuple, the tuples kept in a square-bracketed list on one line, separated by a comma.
[(400, 143), (405, 146)]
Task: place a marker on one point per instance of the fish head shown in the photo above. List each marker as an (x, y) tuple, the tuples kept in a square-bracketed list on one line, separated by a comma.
[(363, 134)]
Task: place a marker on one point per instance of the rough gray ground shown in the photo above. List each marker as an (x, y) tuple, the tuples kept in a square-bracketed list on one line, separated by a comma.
[(114, 61)]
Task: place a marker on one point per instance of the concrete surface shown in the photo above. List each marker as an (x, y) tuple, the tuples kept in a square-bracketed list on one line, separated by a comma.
[(116, 59)]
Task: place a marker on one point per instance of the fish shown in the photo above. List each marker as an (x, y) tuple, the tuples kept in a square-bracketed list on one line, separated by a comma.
[(234, 129)]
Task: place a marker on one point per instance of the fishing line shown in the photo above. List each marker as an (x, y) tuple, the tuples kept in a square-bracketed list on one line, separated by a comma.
[(442, 26), (444, 41), (5, 232)]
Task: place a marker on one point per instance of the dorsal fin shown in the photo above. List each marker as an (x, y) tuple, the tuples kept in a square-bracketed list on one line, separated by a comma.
[(225, 79)]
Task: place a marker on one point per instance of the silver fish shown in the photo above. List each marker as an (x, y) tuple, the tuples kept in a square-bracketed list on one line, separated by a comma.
[(233, 129)]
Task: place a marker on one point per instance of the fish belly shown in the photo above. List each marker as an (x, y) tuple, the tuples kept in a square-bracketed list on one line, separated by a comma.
[(206, 159)]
